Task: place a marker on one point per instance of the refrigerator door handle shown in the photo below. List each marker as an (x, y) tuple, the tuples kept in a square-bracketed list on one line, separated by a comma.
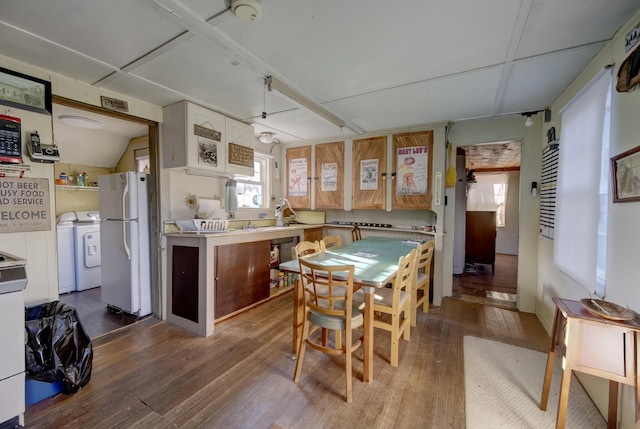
[(124, 240), (125, 194)]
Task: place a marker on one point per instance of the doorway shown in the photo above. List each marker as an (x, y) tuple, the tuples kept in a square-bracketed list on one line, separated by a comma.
[(109, 142), (487, 216)]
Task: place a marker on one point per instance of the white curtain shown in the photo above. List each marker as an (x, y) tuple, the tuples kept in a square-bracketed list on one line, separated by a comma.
[(580, 169)]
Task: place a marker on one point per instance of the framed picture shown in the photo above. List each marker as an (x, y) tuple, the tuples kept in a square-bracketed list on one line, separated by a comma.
[(625, 174), (25, 92)]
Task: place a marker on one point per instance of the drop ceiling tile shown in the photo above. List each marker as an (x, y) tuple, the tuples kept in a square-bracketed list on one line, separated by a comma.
[(115, 31), (41, 53), (456, 97), (335, 49), (525, 91), (558, 24)]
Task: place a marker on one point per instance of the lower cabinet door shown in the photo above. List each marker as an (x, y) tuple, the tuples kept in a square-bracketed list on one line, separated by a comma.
[(242, 275)]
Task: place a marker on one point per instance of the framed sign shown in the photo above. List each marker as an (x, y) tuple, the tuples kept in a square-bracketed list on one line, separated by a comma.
[(24, 205), (625, 176), (25, 92)]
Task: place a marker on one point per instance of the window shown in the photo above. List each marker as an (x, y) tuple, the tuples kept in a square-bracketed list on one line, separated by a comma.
[(489, 193), (583, 188), (252, 190)]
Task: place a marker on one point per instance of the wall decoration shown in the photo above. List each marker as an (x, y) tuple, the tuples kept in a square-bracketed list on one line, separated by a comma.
[(114, 104), (24, 92), (629, 72), (329, 177), (24, 205), (369, 174), (412, 170), (625, 176), (298, 173), (548, 186)]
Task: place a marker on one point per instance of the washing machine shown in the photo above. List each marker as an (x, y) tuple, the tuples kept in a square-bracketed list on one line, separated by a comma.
[(66, 252), (87, 250)]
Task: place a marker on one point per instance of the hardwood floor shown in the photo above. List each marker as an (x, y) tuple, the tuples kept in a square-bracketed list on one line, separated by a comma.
[(474, 286), (96, 320), (156, 375)]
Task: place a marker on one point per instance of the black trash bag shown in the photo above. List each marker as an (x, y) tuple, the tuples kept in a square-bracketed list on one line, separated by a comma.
[(57, 349)]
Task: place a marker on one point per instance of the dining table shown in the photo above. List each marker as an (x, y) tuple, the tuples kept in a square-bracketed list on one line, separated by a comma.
[(375, 260)]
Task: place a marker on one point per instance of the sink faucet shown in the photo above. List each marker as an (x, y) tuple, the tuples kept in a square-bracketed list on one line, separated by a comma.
[(280, 211)]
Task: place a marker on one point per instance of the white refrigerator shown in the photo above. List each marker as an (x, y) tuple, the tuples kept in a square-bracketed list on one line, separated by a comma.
[(124, 242)]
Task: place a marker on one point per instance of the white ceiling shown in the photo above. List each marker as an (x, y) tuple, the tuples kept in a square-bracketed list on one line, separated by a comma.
[(376, 65)]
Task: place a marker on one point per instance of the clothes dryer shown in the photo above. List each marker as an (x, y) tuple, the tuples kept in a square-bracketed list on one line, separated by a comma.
[(87, 251), (66, 253)]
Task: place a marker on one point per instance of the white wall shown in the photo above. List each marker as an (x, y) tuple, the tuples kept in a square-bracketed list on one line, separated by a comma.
[(623, 233), (40, 247), (509, 128)]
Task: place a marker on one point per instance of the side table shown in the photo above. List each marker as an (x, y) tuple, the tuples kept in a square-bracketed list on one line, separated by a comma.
[(592, 345)]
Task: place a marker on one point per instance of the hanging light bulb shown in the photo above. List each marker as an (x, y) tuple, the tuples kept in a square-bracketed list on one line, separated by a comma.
[(529, 122)]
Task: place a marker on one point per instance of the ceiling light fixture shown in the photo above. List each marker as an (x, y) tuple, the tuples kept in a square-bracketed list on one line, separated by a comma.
[(266, 137), (529, 121), (274, 84), (81, 122), (246, 10)]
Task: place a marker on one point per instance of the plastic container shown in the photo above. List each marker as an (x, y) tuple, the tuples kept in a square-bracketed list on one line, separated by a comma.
[(64, 179), (82, 179)]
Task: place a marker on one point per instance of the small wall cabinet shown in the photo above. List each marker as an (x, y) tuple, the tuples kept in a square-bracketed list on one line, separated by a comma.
[(369, 173), (325, 179), (198, 138)]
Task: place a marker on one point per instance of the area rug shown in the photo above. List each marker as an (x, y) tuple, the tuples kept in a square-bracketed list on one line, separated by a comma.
[(503, 384)]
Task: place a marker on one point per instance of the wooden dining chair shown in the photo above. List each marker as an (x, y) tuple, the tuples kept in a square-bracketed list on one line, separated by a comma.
[(329, 305), (305, 248), (329, 242), (395, 303), (356, 233), (422, 280)]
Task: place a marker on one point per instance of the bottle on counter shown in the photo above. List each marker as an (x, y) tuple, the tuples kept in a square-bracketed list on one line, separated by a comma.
[(281, 280)]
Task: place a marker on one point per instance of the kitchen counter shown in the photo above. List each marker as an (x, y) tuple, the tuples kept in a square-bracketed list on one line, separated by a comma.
[(218, 274)]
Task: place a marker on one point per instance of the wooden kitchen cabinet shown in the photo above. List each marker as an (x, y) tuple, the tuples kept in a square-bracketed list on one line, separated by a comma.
[(197, 138), (242, 275), (480, 238), (369, 173), (184, 280), (313, 234), (298, 175), (329, 176), (412, 186)]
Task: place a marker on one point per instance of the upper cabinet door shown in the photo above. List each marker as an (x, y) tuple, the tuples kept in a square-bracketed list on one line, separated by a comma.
[(298, 174), (240, 143), (193, 137), (412, 163), (329, 176), (369, 172)]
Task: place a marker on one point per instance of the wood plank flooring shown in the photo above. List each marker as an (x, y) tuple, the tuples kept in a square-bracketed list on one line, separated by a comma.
[(155, 375), (473, 286), (93, 314)]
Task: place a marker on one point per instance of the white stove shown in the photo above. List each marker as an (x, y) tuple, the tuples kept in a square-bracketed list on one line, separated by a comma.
[(13, 279)]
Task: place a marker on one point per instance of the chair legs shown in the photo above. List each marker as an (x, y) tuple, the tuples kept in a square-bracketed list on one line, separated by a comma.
[(348, 336)]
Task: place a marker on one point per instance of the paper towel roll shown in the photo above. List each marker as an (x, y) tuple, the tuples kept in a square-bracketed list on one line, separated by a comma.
[(207, 206)]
